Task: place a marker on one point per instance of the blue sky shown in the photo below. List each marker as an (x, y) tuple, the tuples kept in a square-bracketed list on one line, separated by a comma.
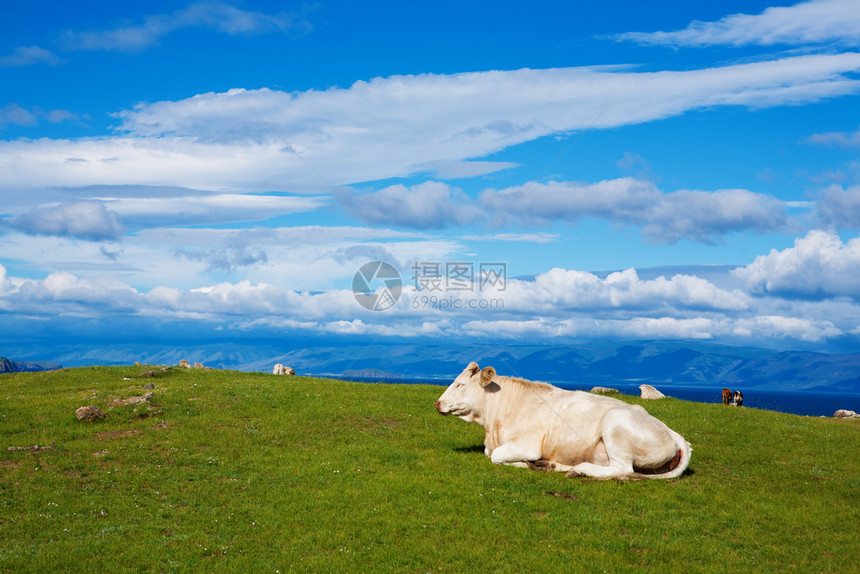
[(210, 170)]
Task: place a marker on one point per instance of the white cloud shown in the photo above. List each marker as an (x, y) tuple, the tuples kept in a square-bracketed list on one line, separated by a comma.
[(299, 258), (842, 139), (64, 294), (429, 205), (557, 305), (395, 126), (620, 199), (538, 237), (634, 165), (772, 329), (105, 218), (218, 16), (705, 216), (453, 169), (17, 200), (18, 115), (840, 207), (229, 259), (813, 22), (819, 266), (247, 299), (780, 327), (81, 220), (27, 55), (294, 236), (665, 217), (463, 110), (5, 285), (209, 208), (42, 163), (563, 290), (58, 116)]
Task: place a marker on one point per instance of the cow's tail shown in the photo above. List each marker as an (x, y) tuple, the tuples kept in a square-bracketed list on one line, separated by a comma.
[(679, 463)]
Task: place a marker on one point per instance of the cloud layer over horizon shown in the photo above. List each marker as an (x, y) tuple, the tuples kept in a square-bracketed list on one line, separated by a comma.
[(561, 304)]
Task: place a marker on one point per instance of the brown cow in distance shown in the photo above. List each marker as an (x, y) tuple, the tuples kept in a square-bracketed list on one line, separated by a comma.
[(727, 396)]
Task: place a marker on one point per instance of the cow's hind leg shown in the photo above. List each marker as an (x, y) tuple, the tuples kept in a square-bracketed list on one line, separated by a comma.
[(515, 454), (618, 460), (616, 468)]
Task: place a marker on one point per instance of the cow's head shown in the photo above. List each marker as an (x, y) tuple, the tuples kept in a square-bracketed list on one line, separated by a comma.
[(467, 395)]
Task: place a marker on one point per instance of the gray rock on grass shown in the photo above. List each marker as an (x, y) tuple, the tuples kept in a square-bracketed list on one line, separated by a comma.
[(89, 414), (649, 392)]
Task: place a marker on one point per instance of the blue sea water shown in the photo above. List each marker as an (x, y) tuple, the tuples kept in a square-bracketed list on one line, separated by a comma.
[(807, 403), (796, 402)]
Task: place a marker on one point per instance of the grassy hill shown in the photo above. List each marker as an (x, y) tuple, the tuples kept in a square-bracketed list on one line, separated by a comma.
[(231, 471)]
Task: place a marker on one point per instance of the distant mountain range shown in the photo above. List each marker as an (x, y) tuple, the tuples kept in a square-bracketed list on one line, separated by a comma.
[(9, 366), (598, 363)]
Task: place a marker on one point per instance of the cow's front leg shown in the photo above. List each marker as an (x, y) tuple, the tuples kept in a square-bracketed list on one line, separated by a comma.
[(515, 454)]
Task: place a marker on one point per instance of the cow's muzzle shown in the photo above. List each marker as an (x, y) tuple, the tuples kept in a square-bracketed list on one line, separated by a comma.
[(439, 408)]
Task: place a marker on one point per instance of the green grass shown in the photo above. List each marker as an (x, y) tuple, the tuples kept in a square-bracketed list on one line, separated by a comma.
[(229, 471)]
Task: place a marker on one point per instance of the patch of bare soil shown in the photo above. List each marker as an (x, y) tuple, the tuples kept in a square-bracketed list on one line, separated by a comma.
[(111, 435), (564, 495)]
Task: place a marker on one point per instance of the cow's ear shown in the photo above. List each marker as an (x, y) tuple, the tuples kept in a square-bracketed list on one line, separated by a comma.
[(473, 367), (487, 375)]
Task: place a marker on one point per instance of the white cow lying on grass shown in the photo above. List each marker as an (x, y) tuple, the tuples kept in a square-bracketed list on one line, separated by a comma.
[(539, 426)]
